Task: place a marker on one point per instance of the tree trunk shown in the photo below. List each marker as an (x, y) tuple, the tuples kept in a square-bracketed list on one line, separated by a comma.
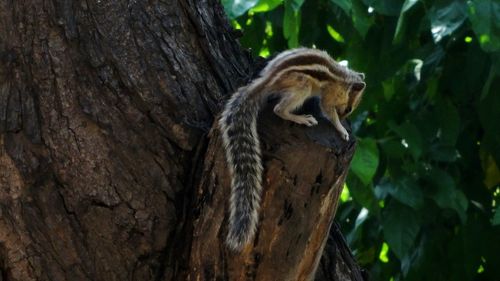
[(337, 262), (304, 173), (106, 172)]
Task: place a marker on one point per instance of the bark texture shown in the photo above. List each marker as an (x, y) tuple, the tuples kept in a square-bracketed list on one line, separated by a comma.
[(104, 111), (337, 262), (305, 169)]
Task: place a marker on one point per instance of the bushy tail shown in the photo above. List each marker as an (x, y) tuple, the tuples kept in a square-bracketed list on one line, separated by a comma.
[(239, 134)]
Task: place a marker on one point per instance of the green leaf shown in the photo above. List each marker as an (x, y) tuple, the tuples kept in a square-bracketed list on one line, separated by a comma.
[(393, 148), (398, 34), (446, 195), (443, 121), (489, 116), (411, 138), (345, 5), (291, 24), (400, 227), (383, 253), (491, 171), (253, 35), (361, 193), (296, 4), (407, 5), (365, 161), (485, 18), (433, 56), (236, 8), (405, 191), (266, 6), (385, 7), (335, 35), (496, 217), (449, 122), (443, 153), (493, 73), (361, 19), (446, 17), (389, 89)]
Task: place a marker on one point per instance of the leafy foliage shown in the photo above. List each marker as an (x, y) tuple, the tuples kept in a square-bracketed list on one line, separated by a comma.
[(423, 197)]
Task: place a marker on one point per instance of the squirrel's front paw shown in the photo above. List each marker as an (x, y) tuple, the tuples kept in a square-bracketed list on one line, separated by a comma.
[(344, 134), (307, 120)]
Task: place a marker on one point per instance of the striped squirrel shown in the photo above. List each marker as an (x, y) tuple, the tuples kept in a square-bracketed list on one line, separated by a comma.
[(294, 75)]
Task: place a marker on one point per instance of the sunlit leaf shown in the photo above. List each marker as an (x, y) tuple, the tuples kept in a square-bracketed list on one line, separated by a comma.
[(383, 253), (291, 24), (266, 5), (345, 195), (235, 8), (335, 35)]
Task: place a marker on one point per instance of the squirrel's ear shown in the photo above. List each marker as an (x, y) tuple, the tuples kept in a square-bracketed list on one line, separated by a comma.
[(358, 86)]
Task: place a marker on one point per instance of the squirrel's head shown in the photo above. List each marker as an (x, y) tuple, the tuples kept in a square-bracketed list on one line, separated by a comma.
[(354, 91)]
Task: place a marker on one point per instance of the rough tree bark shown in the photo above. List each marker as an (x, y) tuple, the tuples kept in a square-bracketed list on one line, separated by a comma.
[(106, 171), (305, 169)]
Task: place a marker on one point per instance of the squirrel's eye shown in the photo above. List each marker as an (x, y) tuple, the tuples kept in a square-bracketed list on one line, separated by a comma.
[(348, 109)]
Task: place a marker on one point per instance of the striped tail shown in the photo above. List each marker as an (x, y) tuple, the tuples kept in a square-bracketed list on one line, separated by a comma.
[(239, 134)]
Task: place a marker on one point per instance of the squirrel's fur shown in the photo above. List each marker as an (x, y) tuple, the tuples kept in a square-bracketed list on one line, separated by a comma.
[(294, 75)]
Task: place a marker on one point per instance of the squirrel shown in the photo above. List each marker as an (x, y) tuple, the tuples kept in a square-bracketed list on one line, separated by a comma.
[(294, 76)]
